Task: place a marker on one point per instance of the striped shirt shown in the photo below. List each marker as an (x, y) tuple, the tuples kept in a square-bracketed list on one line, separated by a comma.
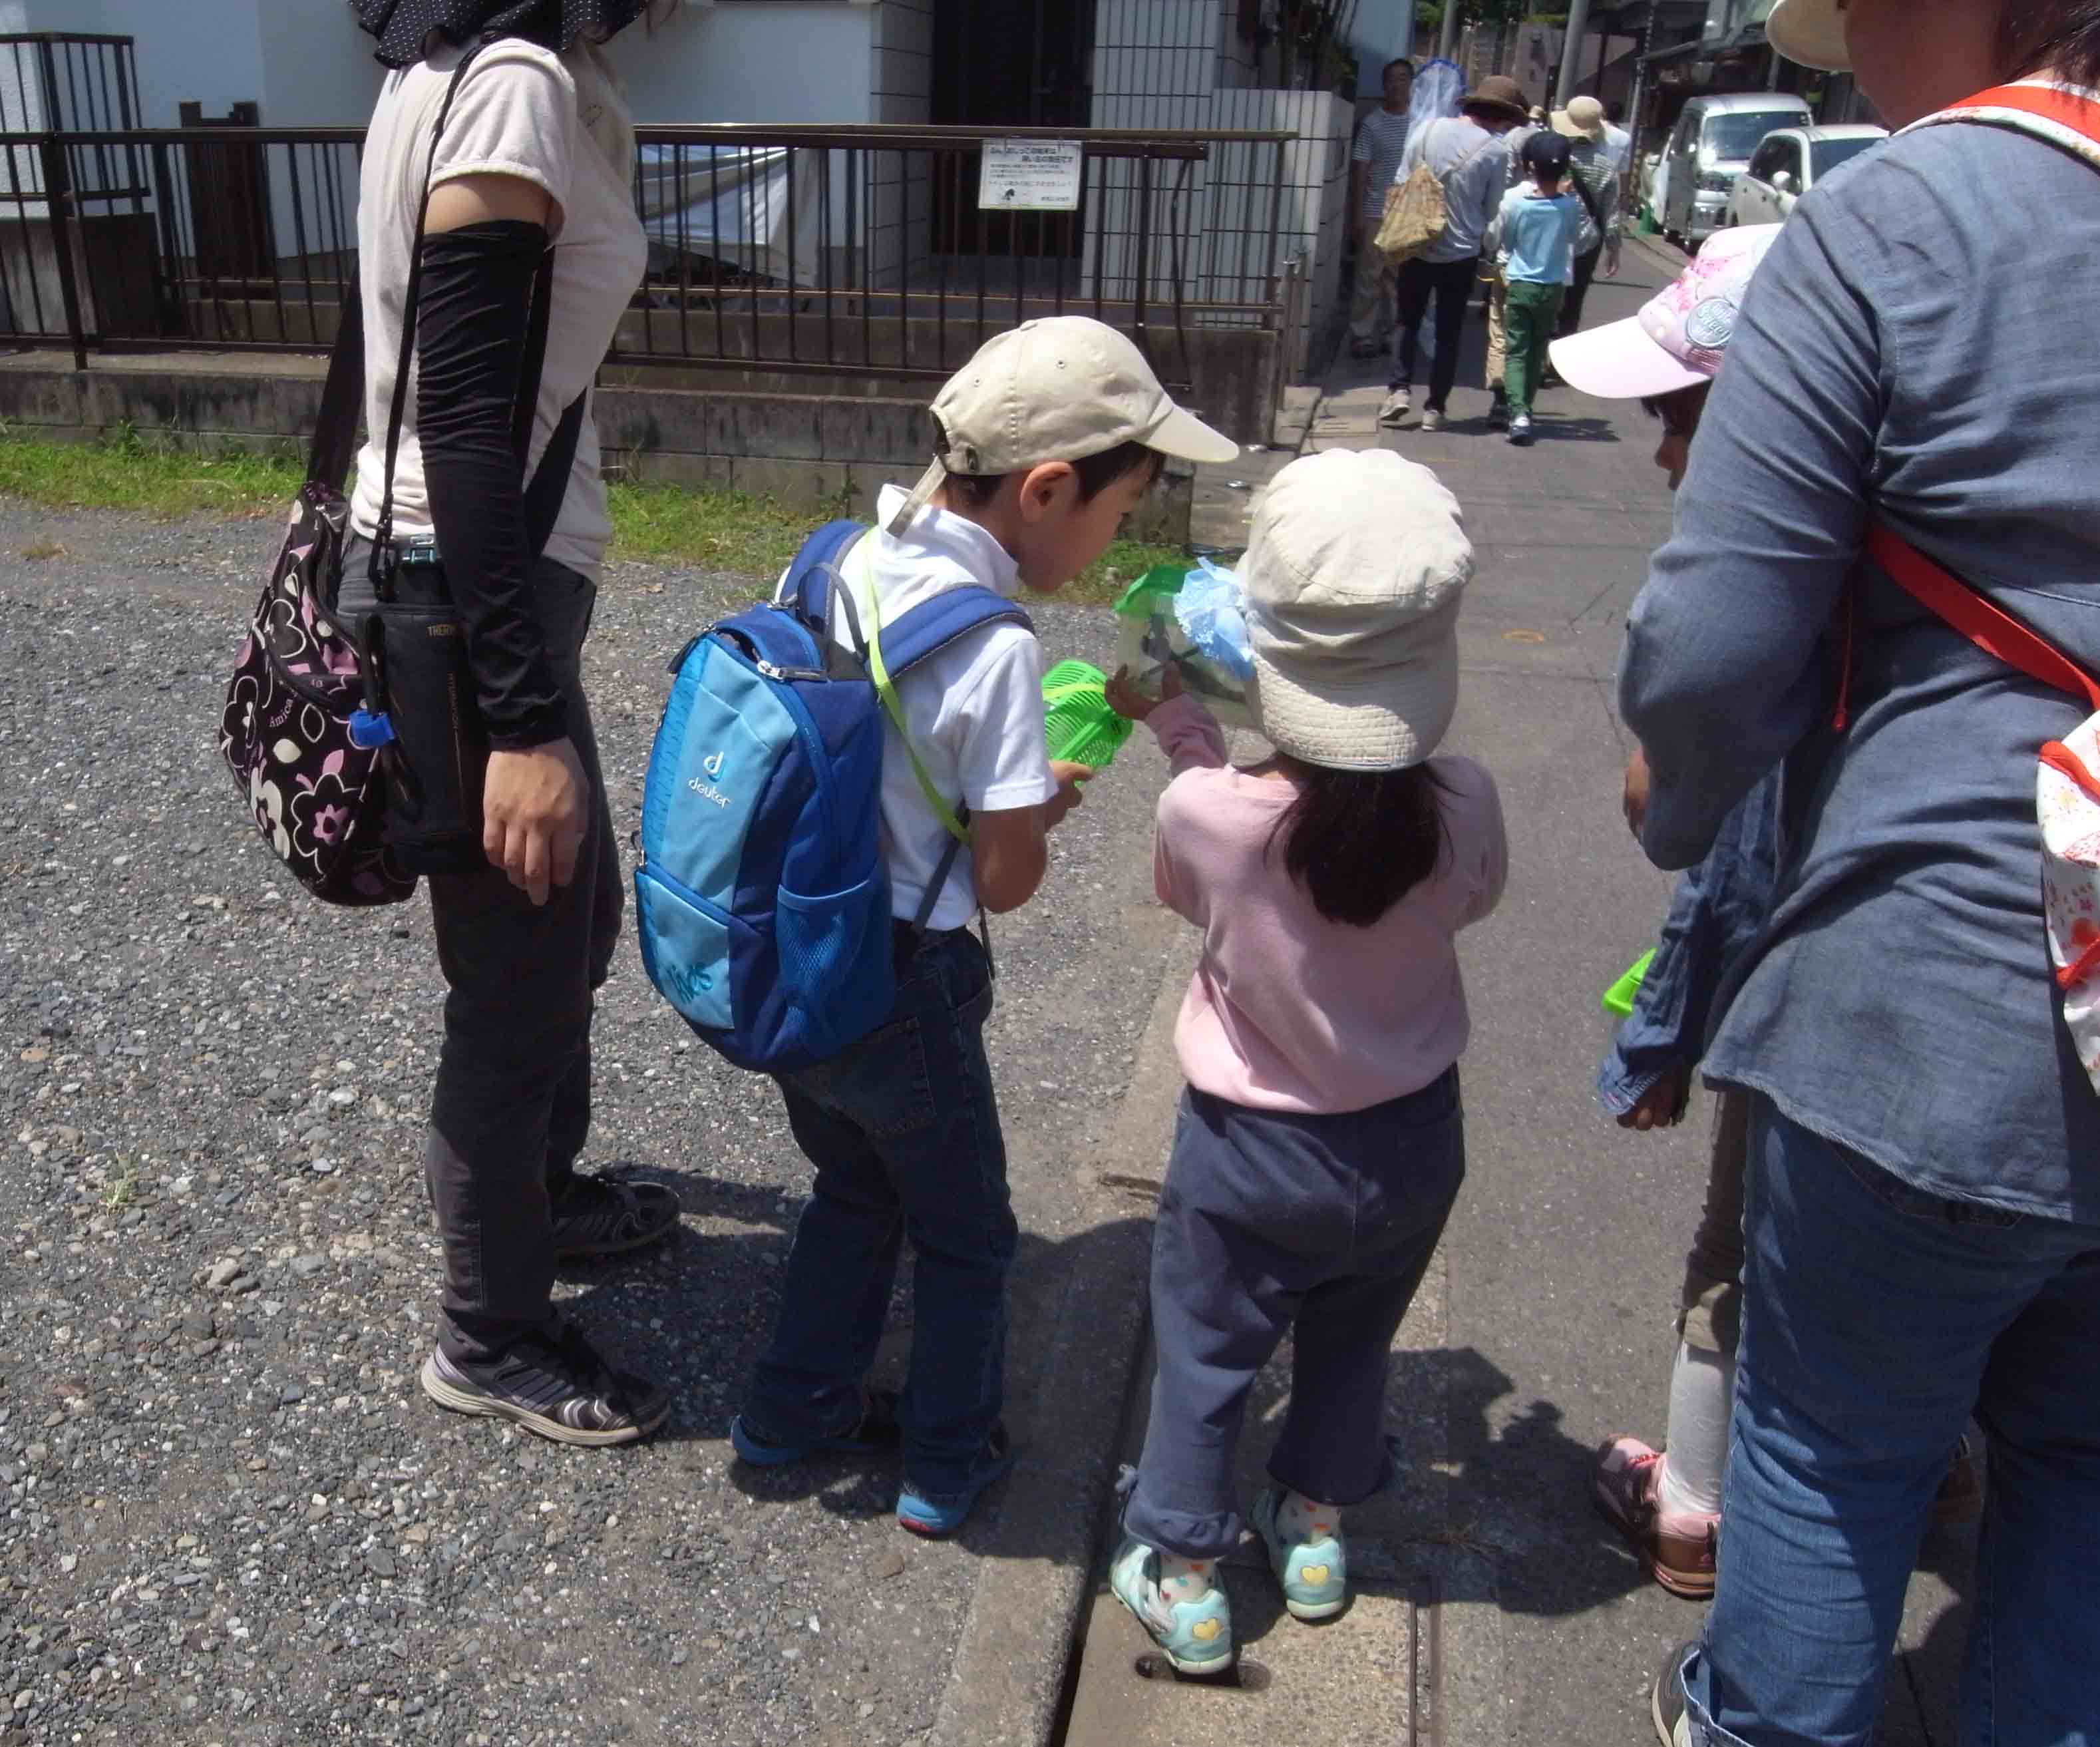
[(1380, 137)]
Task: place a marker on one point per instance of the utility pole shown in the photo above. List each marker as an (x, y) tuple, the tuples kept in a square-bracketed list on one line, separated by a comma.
[(1447, 34), (1571, 53)]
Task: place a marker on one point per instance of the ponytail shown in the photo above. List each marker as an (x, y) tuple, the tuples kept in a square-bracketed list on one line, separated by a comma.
[(1360, 840)]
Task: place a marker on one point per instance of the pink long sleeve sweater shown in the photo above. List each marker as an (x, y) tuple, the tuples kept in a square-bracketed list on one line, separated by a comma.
[(1288, 1011)]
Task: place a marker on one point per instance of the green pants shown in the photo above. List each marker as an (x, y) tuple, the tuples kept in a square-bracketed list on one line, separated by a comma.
[(1528, 320)]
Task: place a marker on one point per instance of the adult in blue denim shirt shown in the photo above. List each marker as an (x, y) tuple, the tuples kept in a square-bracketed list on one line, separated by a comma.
[(1922, 1215)]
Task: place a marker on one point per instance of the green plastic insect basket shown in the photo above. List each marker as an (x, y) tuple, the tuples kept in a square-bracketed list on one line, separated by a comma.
[(1081, 726)]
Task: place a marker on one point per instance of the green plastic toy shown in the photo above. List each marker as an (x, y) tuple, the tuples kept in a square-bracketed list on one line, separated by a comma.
[(1083, 729), (1619, 998)]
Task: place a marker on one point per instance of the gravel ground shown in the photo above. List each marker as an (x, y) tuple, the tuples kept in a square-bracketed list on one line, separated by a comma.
[(229, 1517)]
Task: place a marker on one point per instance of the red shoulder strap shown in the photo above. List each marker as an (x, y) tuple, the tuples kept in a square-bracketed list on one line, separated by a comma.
[(2067, 109), (1990, 628)]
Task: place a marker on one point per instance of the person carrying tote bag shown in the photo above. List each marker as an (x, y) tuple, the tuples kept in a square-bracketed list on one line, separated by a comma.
[(535, 153)]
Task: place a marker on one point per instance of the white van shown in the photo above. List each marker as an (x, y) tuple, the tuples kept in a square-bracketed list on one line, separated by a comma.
[(1710, 146)]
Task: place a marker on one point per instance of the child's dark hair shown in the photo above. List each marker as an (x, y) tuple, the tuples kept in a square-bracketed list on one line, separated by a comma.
[(1360, 840), (1096, 474)]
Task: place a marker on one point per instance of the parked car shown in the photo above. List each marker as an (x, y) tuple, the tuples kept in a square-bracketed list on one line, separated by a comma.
[(1711, 145), (1790, 163)]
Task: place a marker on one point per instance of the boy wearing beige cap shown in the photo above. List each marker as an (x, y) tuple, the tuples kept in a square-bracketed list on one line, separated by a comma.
[(1046, 440), (1320, 1147)]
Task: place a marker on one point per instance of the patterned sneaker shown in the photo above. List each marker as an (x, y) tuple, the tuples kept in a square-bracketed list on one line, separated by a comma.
[(1314, 1574), (555, 1387), (1196, 1636), (1675, 1548), (1666, 1707), (1395, 407), (877, 1431), (937, 1515), (606, 1216)]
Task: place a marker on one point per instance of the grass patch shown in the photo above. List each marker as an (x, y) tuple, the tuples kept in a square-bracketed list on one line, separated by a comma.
[(702, 528)]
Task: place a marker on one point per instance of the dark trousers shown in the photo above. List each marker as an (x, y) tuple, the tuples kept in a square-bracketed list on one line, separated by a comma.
[(1450, 283), (1320, 1227), (1571, 307), (511, 1108), (903, 1129)]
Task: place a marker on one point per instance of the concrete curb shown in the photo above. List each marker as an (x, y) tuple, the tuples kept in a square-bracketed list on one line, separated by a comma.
[(1006, 1685)]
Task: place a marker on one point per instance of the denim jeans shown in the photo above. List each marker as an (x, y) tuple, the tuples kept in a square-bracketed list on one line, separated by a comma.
[(1875, 1317), (511, 1109), (903, 1129), (1318, 1227)]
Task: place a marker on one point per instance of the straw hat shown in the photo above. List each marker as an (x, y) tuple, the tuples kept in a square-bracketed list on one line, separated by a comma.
[(1812, 32), (1583, 119), (1499, 93)]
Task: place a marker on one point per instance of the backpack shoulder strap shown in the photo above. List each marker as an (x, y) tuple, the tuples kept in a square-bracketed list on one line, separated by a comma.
[(1989, 627), (808, 586), (2069, 120), (933, 625)]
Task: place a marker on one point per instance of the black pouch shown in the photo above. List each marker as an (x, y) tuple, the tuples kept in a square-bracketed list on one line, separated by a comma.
[(415, 651)]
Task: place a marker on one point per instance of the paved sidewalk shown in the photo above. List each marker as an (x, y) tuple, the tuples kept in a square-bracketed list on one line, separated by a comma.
[(1494, 1606)]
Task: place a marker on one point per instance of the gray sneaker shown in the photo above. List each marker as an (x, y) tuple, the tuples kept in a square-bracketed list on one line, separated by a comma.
[(1666, 1707), (1395, 407), (556, 1387), (1432, 419)]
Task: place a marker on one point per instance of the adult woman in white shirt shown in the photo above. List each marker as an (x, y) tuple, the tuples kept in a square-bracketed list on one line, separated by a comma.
[(536, 151)]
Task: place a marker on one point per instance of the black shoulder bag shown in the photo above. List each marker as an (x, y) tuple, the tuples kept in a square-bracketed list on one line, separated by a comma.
[(413, 645)]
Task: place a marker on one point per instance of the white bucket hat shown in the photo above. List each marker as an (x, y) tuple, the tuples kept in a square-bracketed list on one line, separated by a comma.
[(1353, 573), (1056, 389), (1812, 32)]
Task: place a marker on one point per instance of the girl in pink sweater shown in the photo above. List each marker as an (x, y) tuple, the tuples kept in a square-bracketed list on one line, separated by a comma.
[(1320, 1147)]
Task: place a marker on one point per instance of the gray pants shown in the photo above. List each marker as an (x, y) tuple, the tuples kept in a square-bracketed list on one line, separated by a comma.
[(1317, 1226), (511, 1108)]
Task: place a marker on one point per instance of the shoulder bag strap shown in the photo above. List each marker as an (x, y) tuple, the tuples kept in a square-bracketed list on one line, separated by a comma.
[(1989, 627), (381, 567), (335, 430), (1583, 194), (549, 486)]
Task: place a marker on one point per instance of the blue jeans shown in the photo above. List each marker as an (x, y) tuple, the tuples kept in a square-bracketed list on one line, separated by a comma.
[(1875, 1317), (903, 1129)]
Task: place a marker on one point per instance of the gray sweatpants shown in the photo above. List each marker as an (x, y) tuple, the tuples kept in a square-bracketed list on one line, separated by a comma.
[(1317, 1226)]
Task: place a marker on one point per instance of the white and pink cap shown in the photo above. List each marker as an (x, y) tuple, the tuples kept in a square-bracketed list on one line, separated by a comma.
[(1681, 333)]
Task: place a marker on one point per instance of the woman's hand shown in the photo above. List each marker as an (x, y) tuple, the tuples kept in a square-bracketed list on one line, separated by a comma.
[(1633, 800), (1662, 1105), (532, 811), (1131, 704)]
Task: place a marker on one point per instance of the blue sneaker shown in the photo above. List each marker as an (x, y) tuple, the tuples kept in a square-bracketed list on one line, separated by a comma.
[(877, 1432), (1196, 1636), (937, 1515), (1314, 1574)]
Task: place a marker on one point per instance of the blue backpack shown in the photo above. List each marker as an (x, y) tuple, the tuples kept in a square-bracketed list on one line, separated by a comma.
[(762, 901)]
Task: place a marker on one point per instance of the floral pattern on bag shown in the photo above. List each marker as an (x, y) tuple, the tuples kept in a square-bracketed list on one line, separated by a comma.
[(317, 798)]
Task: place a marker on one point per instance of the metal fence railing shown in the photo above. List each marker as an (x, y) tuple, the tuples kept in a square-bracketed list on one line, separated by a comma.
[(812, 249)]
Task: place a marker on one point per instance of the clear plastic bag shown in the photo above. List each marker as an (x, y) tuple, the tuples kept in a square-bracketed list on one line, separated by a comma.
[(1214, 661)]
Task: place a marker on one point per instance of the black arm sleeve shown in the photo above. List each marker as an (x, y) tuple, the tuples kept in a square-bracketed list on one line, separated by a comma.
[(473, 311)]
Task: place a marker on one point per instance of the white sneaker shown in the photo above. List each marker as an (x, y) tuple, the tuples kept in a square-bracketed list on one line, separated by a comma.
[(1433, 421), (1520, 430), (1397, 407)]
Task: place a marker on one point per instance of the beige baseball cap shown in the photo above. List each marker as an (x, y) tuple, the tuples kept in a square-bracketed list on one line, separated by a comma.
[(1354, 569), (1812, 32), (1057, 388)]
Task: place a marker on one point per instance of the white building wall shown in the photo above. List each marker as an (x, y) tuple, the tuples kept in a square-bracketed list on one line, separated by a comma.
[(806, 62)]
